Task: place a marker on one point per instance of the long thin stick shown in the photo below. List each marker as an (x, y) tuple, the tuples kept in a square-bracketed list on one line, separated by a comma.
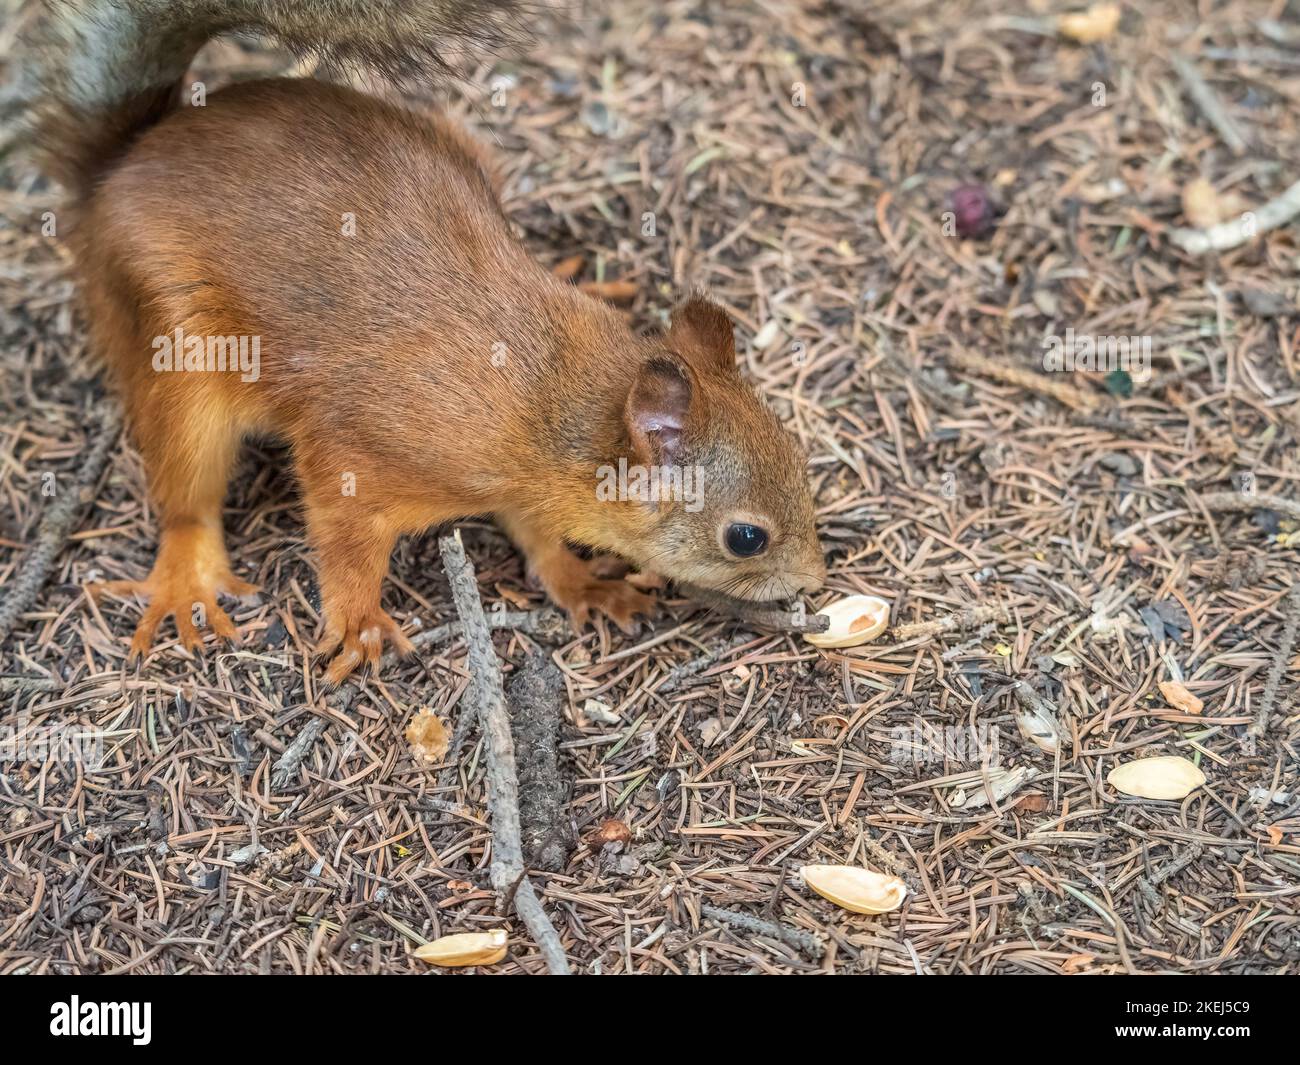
[(545, 622), (970, 618), (794, 937), (487, 695), (1242, 503), (1227, 235), (1022, 378), (54, 531)]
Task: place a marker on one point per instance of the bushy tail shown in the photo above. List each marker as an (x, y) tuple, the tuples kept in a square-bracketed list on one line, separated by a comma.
[(106, 69)]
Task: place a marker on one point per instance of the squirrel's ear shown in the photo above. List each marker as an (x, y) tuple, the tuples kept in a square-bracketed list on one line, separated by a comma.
[(701, 332), (656, 409)]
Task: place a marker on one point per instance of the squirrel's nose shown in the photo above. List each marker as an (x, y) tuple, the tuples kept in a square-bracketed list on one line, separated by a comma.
[(814, 578)]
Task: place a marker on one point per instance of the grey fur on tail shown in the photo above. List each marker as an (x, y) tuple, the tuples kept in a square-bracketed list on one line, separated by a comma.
[(103, 69)]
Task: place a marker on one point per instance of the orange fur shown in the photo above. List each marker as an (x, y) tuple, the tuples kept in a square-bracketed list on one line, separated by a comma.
[(426, 360)]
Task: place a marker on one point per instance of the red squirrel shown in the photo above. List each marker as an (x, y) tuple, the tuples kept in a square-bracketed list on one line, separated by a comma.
[(421, 365)]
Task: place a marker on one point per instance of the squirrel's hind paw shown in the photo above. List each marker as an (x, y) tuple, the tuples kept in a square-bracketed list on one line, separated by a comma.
[(358, 640)]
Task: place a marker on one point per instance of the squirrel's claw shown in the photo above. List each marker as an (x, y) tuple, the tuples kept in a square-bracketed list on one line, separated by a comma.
[(187, 598), (360, 639)]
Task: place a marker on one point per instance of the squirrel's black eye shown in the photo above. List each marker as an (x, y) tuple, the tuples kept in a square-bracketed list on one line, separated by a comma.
[(745, 540)]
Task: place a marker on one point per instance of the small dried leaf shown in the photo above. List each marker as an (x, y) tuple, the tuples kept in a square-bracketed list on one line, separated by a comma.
[(1105, 627), (247, 854), (853, 621), (1098, 23), (465, 948), (1263, 796), (1180, 697), (856, 889), (1036, 718), (611, 291), (610, 831), (1003, 782), (428, 737), (1157, 778), (568, 269), (600, 712), (1201, 206)]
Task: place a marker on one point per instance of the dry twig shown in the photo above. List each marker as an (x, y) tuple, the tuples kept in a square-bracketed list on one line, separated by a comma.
[(287, 765), (1241, 503), (1015, 375), (487, 696), (804, 941), (1228, 235), (969, 618), (63, 514)]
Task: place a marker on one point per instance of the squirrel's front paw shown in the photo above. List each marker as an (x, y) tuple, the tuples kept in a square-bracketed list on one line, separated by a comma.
[(360, 638), (190, 572), (616, 599), (193, 605)]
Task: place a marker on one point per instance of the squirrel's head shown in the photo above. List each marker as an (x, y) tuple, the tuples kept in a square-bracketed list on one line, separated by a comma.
[(721, 488)]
